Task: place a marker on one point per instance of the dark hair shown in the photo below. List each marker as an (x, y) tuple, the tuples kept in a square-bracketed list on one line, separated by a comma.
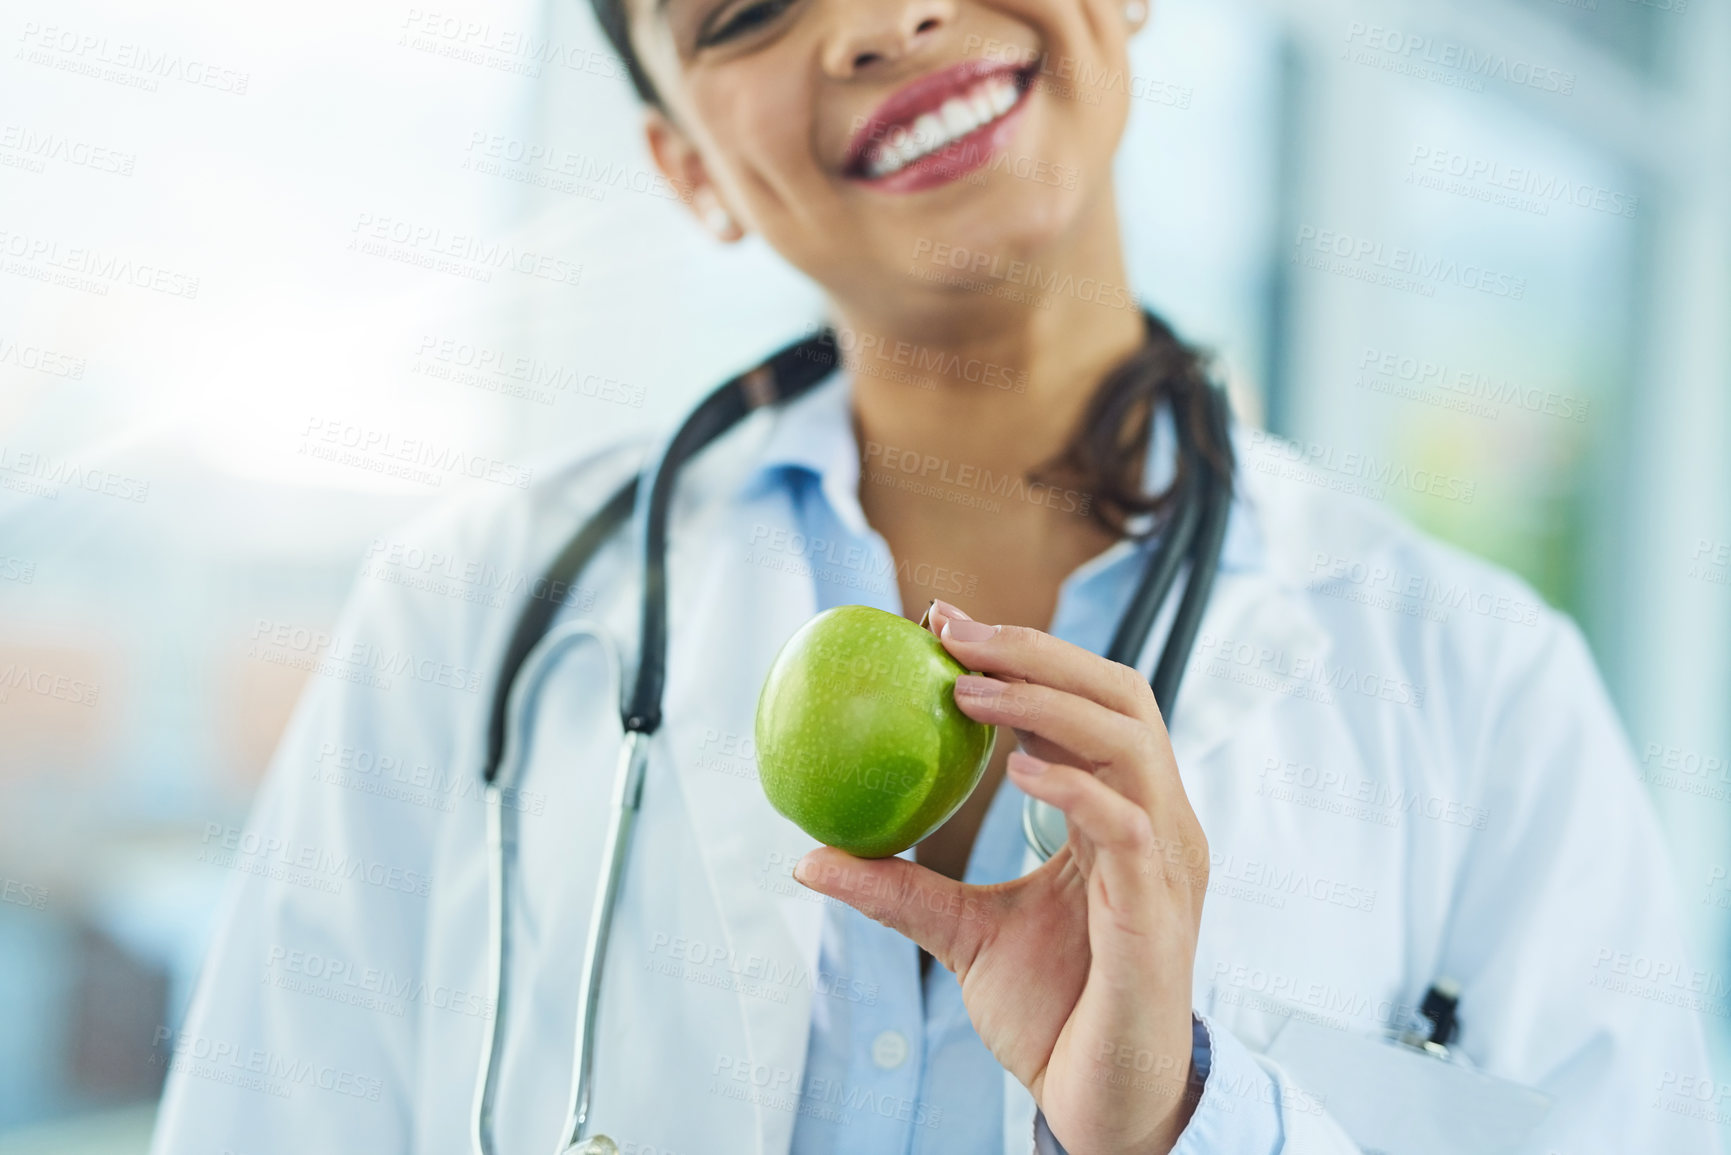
[(1104, 456), (615, 23), (1103, 460)]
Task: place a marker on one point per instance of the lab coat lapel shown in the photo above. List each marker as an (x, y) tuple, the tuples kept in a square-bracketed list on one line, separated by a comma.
[(1255, 634), (731, 612)]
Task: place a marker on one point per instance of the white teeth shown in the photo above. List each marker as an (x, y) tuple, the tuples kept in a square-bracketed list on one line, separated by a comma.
[(931, 131), (899, 142), (959, 118)]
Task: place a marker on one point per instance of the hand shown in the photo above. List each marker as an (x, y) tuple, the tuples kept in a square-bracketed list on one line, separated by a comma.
[(1078, 975)]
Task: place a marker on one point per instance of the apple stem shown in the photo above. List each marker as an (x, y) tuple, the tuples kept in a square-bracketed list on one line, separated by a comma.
[(927, 616)]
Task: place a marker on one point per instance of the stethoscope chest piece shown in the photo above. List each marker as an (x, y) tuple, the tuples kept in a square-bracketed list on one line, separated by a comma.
[(594, 1145), (1044, 827)]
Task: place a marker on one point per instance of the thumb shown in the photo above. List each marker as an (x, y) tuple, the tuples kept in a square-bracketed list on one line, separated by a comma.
[(945, 917)]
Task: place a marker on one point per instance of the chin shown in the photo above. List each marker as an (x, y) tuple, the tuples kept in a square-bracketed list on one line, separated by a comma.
[(982, 236)]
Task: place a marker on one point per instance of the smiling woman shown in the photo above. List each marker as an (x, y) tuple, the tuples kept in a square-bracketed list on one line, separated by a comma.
[(1150, 986), (780, 127)]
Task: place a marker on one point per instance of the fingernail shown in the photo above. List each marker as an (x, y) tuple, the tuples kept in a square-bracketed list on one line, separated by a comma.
[(967, 630), (950, 611), (1027, 764), (801, 872), (978, 687)]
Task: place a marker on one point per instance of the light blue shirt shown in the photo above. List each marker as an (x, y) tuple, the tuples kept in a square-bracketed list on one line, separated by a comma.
[(894, 1063)]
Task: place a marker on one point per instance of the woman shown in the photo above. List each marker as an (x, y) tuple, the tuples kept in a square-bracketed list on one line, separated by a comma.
[(1352, 803)]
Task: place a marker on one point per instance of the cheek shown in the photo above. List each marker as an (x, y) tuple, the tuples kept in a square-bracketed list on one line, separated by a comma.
[(760, 132)]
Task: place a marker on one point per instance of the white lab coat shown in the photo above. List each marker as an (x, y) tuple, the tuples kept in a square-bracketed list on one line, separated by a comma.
[(340, 1008)]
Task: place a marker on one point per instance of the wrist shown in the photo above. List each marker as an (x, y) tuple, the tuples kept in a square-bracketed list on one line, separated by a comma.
[(1156, 1093), (1180, 1094)]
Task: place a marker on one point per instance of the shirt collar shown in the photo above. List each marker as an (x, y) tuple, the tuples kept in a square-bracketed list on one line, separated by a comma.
[(813, 437)]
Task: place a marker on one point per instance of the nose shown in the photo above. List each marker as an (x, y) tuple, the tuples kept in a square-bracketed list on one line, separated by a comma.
[(870, 34)]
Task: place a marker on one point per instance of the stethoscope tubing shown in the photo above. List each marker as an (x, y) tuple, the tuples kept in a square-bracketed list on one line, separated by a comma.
[(622, 818), (524, 697), (1195, 534)]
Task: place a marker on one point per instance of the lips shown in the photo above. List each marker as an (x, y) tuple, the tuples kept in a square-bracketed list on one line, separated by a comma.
[(939, 126)]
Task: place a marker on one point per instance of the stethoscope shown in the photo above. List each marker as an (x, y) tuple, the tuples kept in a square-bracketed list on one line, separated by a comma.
[(1194, 531)]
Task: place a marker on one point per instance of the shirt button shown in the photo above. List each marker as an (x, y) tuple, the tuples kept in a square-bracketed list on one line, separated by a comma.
[(890, 1050)]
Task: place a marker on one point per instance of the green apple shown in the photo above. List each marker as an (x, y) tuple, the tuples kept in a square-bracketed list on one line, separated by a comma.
[(859, 739)]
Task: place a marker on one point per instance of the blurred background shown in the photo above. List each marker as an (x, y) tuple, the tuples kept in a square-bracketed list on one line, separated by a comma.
[(220, 239)]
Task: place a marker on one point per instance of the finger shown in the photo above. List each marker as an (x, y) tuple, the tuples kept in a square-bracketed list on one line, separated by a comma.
[(949, 611), (945, 917), (939, 612), (1031, 655), (1119, 833), (1134, 757)]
